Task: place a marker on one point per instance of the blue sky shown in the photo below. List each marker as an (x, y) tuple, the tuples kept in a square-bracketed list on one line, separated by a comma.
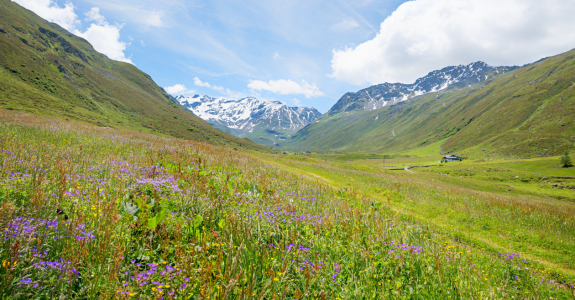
[(310, 53)]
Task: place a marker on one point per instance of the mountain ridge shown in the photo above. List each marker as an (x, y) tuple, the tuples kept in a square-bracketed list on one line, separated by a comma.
[(380, 95), (49, 71), (265, 122), (528, 111)]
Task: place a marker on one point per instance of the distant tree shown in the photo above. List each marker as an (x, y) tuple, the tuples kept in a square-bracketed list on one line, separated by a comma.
[(565, 160)]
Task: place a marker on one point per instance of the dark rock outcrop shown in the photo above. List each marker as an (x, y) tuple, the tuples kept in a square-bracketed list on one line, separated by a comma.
[(377, 96), (66, 46)]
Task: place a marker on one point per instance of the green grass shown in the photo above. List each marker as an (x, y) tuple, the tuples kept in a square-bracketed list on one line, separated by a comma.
[(48, 71), (533, 177), (345, 157), (129, 215), (505, 181), (109, 205), (480, 208), (427, 150), (528, 112), (260, 135), (545, 166)]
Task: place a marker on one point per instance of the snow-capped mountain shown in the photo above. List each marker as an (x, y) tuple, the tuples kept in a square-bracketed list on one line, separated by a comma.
[(264, 122), (378, 96)]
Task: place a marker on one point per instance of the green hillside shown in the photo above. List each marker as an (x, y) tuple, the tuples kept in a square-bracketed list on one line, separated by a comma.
[(525, 113), (46, 70)]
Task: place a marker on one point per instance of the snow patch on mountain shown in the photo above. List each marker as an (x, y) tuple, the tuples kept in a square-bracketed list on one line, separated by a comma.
[(378, 96), (245, 114)]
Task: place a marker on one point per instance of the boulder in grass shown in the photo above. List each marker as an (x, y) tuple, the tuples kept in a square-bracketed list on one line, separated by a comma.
[(2, 30)]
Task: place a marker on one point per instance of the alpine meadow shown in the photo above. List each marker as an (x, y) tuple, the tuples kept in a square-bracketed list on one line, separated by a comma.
[(460, 185)]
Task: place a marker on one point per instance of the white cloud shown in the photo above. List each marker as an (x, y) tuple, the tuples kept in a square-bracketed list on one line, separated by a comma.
[(94, 15), (232, 94), (198, 82), (345, 25), (178, 89), (140, 12), (49, 10), (296, 101), (142, 43), (277, 55), (286, 87), (229, 93), (104, 37), (155, 18), (425, 35)]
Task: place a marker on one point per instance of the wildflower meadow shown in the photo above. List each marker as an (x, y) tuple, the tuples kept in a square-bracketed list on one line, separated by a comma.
[(99, 213)]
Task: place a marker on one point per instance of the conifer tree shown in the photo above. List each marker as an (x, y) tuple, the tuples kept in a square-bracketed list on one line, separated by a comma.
[(565, 160)]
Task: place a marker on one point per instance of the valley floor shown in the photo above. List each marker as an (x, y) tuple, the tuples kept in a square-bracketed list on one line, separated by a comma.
[(501, 205), (100, 213)]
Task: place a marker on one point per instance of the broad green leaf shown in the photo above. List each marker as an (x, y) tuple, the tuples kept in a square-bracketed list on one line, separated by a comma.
[(198, 221)]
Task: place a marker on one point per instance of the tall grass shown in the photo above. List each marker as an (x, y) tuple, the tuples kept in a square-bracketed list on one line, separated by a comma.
[(98, 213), (541, 229)]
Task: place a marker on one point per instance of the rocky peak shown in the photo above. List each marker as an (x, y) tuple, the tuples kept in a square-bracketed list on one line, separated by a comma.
[(247, 113), (380, 95)]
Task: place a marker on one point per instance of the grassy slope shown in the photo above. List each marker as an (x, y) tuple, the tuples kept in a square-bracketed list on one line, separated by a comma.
[(519, 113), (233, 227), (51, 72), (266, 135)]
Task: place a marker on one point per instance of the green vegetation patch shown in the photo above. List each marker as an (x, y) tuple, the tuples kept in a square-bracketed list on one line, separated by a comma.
[(501, 209), (57, 74), (13, 70), (174, 218)]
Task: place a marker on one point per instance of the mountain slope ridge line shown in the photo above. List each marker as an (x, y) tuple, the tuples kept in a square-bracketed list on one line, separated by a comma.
[(503, 112), (50, 71)]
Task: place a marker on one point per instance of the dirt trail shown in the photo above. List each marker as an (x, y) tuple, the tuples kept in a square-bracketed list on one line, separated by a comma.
[(485, 241)]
